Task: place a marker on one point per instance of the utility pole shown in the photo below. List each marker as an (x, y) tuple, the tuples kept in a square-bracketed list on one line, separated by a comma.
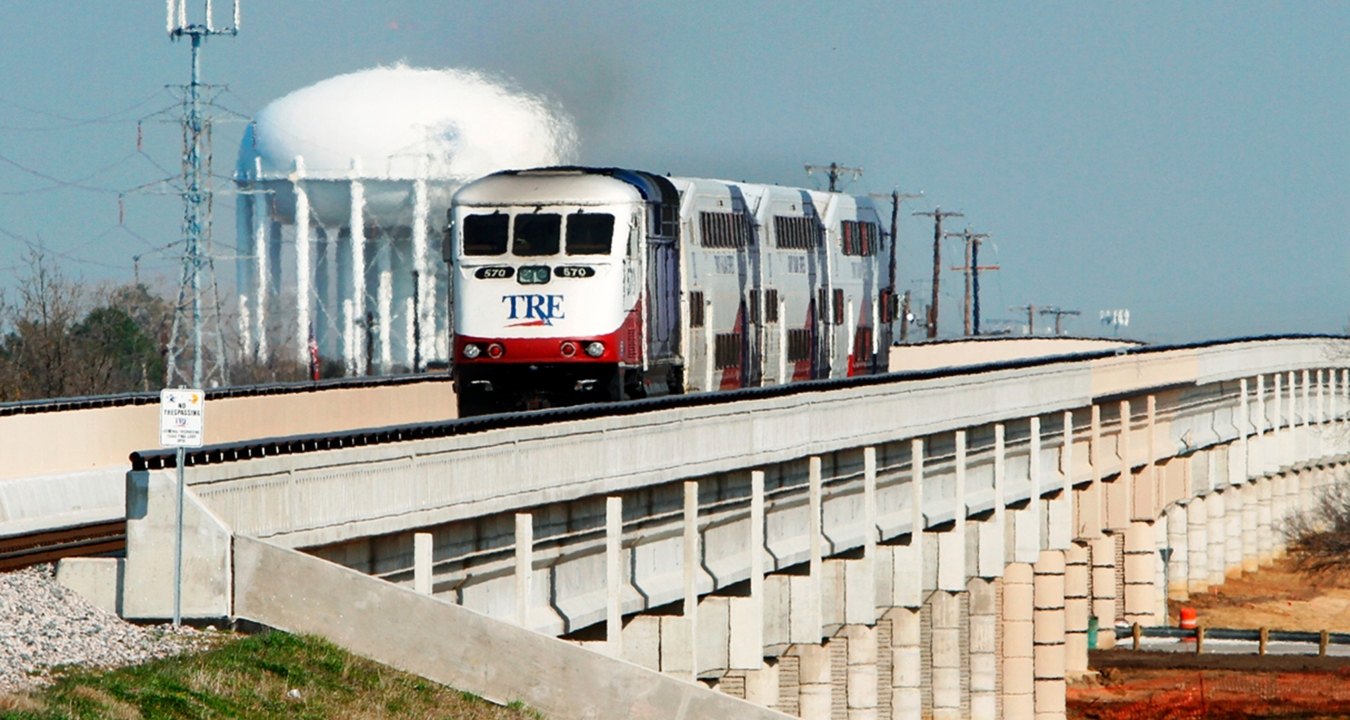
[(1030, 310), (897, 197), (1059, 317), (833, 170), (972, 272), (937, 214)]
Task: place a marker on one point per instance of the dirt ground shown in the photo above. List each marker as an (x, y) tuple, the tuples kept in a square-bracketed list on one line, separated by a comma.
[(1156, 685)]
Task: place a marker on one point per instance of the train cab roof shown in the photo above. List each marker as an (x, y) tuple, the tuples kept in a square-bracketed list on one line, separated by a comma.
[(565, 185)]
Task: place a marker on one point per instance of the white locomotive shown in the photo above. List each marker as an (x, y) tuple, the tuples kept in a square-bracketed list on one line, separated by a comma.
[(576, 285)]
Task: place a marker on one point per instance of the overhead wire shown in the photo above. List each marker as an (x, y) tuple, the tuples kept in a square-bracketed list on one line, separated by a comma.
[(70, 122)]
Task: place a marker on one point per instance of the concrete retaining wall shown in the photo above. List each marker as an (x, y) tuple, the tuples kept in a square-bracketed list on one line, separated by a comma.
[(442, 642)]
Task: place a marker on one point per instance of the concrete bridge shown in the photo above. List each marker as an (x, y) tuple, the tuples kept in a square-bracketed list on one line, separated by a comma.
[(931, 544)]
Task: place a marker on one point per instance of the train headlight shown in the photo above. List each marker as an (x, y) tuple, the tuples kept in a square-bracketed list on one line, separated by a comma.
[(472, 351), (568, 349), (495, 350), (595, 348)]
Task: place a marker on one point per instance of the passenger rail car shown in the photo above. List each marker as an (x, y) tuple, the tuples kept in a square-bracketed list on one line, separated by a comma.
[(575, 285)]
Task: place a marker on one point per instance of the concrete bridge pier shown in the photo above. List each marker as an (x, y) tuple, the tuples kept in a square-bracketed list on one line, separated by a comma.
[(1077, 607), (1265, 518), (1251, 526), (1197, 545), (1235, 503), (1103, 588), (1019, 647), (1179, 537), (1216, 504), (1048, 620), (1140, 571)]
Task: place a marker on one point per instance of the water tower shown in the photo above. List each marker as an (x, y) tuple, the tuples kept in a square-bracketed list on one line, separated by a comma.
[(343, 192)]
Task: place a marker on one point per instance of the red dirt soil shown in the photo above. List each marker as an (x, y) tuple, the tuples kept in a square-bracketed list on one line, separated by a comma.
[(1134, 686)]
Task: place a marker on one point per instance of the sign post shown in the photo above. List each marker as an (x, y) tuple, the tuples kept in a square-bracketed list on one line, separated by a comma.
[(181, 422)]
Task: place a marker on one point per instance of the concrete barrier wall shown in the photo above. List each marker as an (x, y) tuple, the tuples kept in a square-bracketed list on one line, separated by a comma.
[(944, 354), (323, 498), (294, 592), (60, 442), (67, 467)]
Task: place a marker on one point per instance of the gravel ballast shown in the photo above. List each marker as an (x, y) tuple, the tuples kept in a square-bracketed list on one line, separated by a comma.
[(44, 624)]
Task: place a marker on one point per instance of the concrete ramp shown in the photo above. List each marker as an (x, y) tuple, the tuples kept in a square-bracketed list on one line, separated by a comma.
[(446, 643)]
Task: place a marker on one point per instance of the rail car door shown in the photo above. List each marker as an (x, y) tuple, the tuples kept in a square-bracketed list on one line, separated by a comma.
[(663, 296)]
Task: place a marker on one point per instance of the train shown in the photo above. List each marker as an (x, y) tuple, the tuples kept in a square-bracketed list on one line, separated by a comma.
[(575, 285)]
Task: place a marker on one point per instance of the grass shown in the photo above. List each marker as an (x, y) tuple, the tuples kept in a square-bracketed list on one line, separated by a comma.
[(273, 675)]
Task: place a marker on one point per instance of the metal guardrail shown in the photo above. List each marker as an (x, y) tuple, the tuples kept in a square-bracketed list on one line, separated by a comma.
[(1323, 638)]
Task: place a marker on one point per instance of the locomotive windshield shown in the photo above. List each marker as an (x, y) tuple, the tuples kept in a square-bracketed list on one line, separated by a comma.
[(485, 234), (538, 234), (589, 233)]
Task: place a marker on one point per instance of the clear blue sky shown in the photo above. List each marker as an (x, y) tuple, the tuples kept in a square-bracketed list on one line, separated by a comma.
[(1189, 161)]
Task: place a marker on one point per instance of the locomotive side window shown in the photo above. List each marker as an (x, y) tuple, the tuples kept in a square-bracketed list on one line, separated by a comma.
[(724, 229), (696, 309), (727, 350), (860, 238), (485, 234), (589, 233), (536, 234), (798, 345), (796, 233)]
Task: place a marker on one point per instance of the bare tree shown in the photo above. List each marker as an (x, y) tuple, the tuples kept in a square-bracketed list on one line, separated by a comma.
[(61, 339), (1320, 538)]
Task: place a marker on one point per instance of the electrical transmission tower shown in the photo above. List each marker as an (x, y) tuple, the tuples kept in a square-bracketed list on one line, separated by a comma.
[(197, 198), (833, 170)]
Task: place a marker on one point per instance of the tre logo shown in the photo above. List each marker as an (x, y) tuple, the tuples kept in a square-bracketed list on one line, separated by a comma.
[(533, 308)]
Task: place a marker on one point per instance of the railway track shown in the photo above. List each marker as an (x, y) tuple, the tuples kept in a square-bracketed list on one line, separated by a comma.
[(20, 551)]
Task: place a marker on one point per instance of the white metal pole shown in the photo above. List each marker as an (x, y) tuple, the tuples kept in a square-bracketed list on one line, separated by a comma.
[(303, 270), (180, 454), (358, 298)]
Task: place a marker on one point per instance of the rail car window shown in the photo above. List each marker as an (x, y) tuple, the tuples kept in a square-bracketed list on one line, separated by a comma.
[(536, 234), (724, 229), (796, 233), (696, 309), (727, 350), (770, 306), (798, 345), (860, 238), (664, 218), (485, 234), (589, 233)]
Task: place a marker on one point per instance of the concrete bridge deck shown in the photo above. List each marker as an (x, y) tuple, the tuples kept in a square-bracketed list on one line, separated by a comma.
[(924, 546)]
